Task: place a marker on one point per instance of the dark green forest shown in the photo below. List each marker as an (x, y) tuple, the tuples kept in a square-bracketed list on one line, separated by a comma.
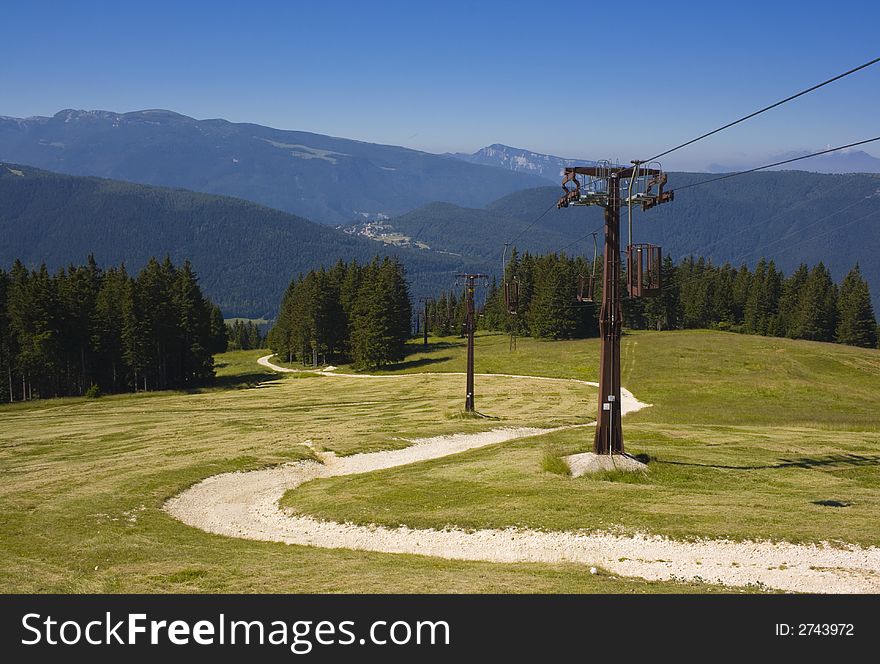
[(245, 252), (87, 331), (355, 312), (790, 216), (695, 294), (244, 335)]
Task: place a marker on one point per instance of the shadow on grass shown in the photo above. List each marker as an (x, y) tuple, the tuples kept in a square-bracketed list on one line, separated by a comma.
[(827, 461), (832, 503), (245, 380), (432, 346), (471, 415), (421, 362)]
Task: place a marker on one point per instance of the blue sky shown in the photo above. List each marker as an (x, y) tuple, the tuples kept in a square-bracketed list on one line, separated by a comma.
[(584, 80)]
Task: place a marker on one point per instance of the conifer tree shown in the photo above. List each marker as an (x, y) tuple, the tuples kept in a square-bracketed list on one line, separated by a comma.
[(856, 324), (219, 342), (107, 325), (742, 284), (7, 349), (816, 315), (551, 313), (789, 302)]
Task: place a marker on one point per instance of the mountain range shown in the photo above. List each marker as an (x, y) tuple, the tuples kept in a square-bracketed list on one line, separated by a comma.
[(550, 167), (326, 179), (440, 213), (841, 161), (245, 253)]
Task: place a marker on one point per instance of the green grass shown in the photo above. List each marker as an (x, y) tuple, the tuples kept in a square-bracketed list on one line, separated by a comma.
[(735, 451), (84, 482), (749, 437), (552, 462)]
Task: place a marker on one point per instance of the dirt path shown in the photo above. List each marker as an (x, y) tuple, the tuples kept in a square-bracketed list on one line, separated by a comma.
[(246, 505)]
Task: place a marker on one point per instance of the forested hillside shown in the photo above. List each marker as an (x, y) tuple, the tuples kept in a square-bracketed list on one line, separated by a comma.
[(246, 253), (323, 178), (790, 217), (473, 233)]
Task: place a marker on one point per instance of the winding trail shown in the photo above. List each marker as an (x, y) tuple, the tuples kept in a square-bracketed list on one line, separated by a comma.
[(246, 505)]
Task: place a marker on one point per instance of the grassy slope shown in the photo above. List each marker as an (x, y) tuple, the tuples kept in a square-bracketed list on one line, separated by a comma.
[(748, 435), (84, 482)]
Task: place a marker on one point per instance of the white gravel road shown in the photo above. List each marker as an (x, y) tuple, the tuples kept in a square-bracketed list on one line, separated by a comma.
[(246, 505)]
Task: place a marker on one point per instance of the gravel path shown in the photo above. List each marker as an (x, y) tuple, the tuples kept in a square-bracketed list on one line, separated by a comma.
[(246, 505)]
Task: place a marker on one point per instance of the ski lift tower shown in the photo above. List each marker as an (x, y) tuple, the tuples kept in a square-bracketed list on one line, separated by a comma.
[(470, 281), (603, 185)]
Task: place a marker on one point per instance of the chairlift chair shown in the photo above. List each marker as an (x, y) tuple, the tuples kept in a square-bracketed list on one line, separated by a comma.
[(587, 283), (643, 263), (511, 296), (586, 288)]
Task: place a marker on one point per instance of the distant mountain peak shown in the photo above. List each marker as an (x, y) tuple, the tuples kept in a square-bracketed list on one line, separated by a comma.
[(521, 160), (73, 114)]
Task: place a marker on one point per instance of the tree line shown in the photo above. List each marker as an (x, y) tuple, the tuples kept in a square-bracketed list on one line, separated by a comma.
[(84, 330), (244, 335), (804, 305), (350, 312), (695, 293)]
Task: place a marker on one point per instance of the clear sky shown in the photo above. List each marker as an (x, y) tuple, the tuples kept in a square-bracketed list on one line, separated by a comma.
[(593, 80)]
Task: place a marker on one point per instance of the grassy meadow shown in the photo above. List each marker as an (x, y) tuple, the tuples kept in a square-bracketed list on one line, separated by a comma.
[(748, 437), (84, 482)]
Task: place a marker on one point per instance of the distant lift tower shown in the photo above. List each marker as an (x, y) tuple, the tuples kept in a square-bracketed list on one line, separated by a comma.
[(470, 326), (602, 185), (426, 301)]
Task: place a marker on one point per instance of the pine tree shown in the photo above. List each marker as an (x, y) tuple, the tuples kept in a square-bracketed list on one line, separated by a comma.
[(108, 321), (137, 339), (789, 301), (856, 324), (78, 289), (219, 336), (551, 313), (661, 312), (816, 315), (696, 296), (742, 285), (381, 316), (7, 349), (761, 304), (192, 362)]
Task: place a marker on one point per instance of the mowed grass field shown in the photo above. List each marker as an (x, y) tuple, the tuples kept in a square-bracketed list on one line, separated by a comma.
[(84, 481), (748, 436)]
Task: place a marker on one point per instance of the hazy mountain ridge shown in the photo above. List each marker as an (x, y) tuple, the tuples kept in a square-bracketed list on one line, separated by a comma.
[(547, 166), (550, 167), (839, 162), (323, 178)]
